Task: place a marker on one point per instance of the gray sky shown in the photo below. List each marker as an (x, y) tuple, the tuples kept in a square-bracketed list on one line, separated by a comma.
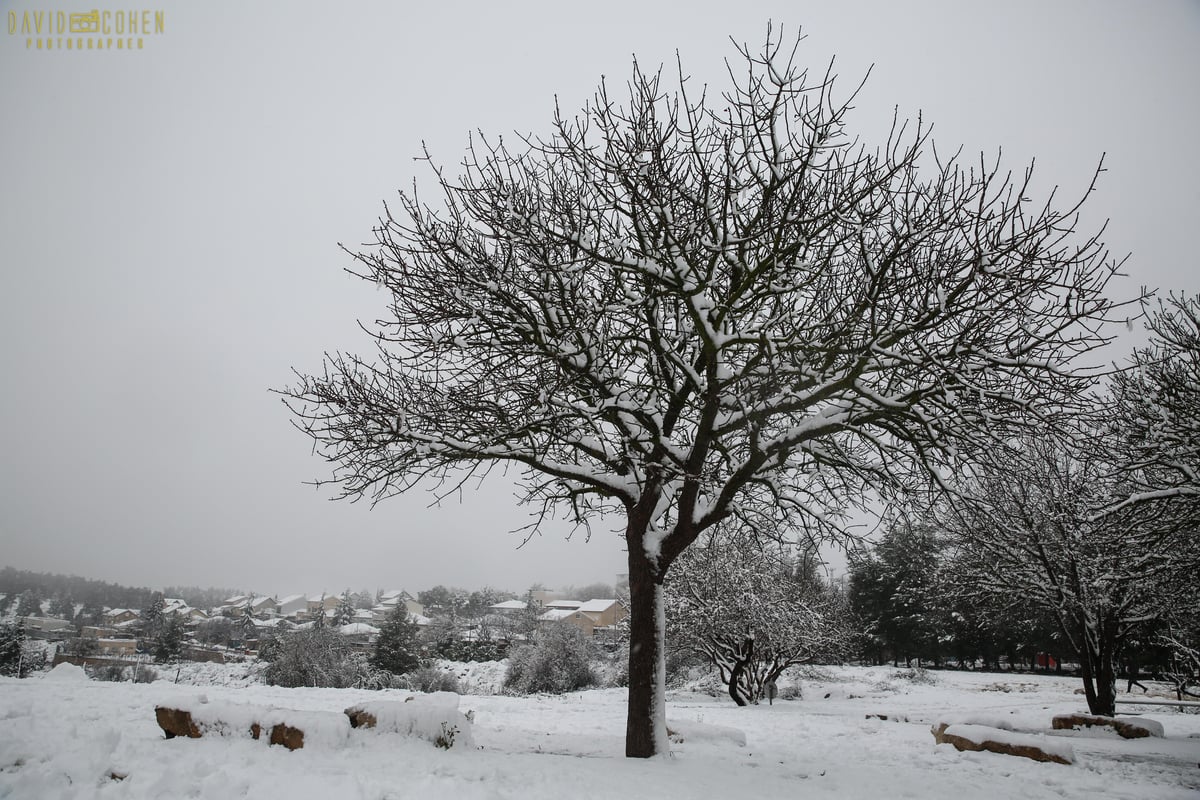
[(169, 220)]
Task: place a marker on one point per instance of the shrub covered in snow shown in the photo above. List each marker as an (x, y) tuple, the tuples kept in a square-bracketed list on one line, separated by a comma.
[(320, 657), (558, 661), (432, 679)]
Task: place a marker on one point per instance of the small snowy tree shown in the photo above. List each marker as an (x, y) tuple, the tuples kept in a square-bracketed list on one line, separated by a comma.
[(398, 649), (12, 648), (344, 613), (752, 612), (685, 306), (168, 645)]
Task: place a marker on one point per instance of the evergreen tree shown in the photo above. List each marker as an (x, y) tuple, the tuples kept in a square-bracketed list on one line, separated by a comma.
[(169, 645), (152, 618), (345, 610), (397, 649), (12, 642), (29, 604)]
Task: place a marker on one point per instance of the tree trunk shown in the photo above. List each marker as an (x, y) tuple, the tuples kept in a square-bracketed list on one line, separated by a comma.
[(736, 691), (645, 728), (1099, 674)]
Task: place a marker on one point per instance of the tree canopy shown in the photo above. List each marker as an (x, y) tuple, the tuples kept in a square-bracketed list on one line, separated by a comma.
[(685, 306)]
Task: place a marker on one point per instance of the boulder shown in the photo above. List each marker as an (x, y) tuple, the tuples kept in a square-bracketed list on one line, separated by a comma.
[(1129, 728), (177, 722), (280, 726), (980, 738)]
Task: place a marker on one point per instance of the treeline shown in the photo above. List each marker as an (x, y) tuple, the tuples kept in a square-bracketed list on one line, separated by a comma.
[(65, 592)]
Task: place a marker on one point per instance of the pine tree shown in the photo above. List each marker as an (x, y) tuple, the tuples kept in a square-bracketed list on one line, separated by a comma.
[(344, 614), (12, 641), (397, 649), (169, 645)]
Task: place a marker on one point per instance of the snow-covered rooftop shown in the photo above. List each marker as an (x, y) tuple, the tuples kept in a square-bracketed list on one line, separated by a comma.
[(510, 605), (597, 606)]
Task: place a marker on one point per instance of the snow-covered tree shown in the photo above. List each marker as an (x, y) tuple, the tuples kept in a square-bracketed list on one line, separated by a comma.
[(684, 306), (1156, 409), (12, 648), (168, 645), (344, 613), (398, 648), (752, 612), (1039, 521), (152, 618)]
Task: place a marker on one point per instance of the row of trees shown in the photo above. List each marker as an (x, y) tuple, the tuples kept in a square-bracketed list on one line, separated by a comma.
[(1080, 540)]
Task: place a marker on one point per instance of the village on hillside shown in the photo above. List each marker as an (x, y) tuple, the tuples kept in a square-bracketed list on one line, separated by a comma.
[(172, 630)]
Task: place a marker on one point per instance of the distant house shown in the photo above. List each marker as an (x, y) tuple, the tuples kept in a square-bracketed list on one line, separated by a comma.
[(394, 597), (541, 597), (293, 606), (116, 616), (604, 613), (509, 607), (46, 625), (567, 616), (234, 606), (174, 607), (573, 605), (263, 607), (97, 632), (328, 602), (359, 632)]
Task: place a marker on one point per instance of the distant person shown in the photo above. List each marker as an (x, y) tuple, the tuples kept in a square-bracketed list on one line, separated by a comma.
[(1131, 671)]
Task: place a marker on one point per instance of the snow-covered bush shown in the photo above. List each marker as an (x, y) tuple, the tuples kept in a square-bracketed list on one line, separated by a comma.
[(431, 679), (320, 657), (558, 661)]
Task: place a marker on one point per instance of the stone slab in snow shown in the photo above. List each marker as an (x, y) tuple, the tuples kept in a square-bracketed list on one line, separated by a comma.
[(688, 731), (981, 738), (1128, 727), (288, 727), (433, 717)]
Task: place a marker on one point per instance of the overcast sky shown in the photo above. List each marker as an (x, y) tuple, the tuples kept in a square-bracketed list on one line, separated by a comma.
[(169, 222)]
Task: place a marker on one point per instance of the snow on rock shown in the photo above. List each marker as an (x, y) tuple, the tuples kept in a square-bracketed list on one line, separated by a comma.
[(687, 731), (294, 729), (433, 717), (66, 672), (976, 718), (982, 737), (1127, 727)]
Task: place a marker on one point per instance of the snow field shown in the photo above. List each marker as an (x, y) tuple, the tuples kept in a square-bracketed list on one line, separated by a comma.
[(73, 738)]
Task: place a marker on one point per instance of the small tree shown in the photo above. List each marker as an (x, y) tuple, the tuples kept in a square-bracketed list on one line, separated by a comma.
[(344, 613), (398, 649), (683, 307), (752, 612), (12, 648), (168, 646)]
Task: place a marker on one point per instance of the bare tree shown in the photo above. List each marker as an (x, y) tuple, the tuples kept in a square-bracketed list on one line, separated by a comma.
[(1156, 406), (679, 309), (753, 611), (1038, 521)]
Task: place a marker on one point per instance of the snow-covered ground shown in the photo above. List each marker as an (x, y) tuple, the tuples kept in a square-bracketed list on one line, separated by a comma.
[(66, 738)]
